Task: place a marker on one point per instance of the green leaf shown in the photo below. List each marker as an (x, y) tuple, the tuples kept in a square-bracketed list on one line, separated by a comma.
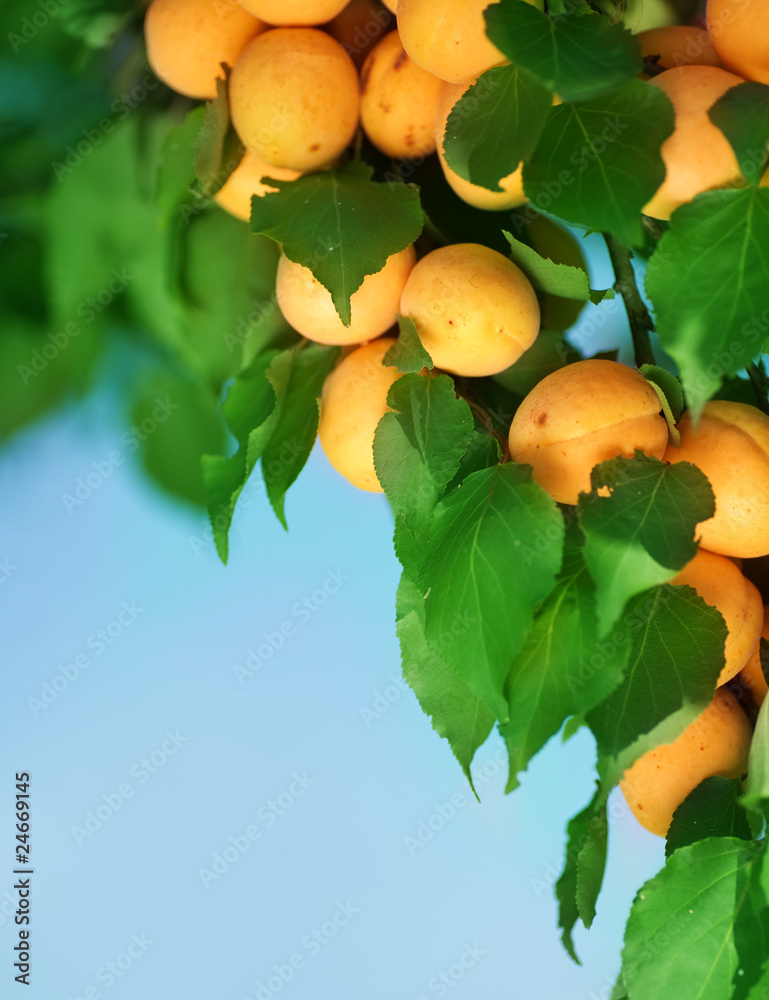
[(742, 114), (556, 279), (711, 810), (562, 669), (547, 354), (456, 714), (756, 798), (218, 150), (643, 532), (481, 585), (96, 22), (496, 124), (579, 56), (696, 923), (619, 991), (677, 652), (417, 450), (670, 394), (579, 884), (715, 329), (408, 354), (598, 162), (339, 224), (176, 166), (297, 377)]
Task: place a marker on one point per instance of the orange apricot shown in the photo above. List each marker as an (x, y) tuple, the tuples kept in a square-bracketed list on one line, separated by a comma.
[(294, 13), (678, 45), (731, 446), (188, 40), (740, 29), (583, 414), (752, 675), (245, 181), (358, 27)]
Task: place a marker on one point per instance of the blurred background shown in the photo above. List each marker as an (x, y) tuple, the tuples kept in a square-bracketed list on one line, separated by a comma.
[(233, 793)]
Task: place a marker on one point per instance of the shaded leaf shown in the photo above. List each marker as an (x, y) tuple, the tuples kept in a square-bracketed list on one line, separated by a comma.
[(408, 354), (742, 114), (711, 810), (556, 279)]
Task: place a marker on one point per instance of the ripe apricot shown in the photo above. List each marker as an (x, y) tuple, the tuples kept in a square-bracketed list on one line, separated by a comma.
[(398, 101), (731, 446), (188, 40), (391, 5), (721, 584), (752, 675), (234, 196), (308, 307), (678, 45), (717, 742), (739, 29), (294, 98), (353, 401), (448, 38), (294, 13), (475, 310), (358, 27), (697, 155), (511, 194), (583, 414)]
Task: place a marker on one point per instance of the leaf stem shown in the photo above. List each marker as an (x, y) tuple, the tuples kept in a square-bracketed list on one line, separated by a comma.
[(757, 375), (638, 315)]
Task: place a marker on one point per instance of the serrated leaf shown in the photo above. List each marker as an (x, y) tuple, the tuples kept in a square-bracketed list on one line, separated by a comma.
[(557, 279), (579, 884), (579, 56), (598, 162), (677, 652), (742, 114), (339, 224), (696, 923), (643, 532), (496, 124), (456, 714), (408, 355), (756, 798), (715, 329), (482, 589), (555, 676), (297, 378), (670, 394), (711, 810), (417, 450)]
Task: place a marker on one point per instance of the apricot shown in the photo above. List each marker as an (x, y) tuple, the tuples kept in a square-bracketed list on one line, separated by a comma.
[(717, 742), (583, 414), (752, 675), (294, 98), (398, 101), (511, 194), (188, 40), (234, 196), (308, 307), (294, 13), (740, 29), (353, 401), (358, 26), (475, 310), (731, 446), (697, 155), (721, 584), (448, 38), (678, 45), (391, 5)]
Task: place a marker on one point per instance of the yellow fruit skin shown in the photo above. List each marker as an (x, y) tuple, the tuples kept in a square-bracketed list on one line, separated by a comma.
[(583, 414), (475, 310), (353, 402), (294, 13), (358, 27), (308, 307), (717, 742), (187, 40), (398, 101), (740, 29), (511, 194), (697, 155), (294, 98), (448, 38), (721, 584), (752, 675), (235, 194), (731, 446), (678, 45), (391, 5)]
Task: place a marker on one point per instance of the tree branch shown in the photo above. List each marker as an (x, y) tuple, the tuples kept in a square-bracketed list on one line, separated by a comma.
[(758, 377), (638, 315)]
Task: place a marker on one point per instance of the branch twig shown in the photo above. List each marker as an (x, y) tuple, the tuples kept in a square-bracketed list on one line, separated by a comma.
[(638, 315), (758, 377)]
